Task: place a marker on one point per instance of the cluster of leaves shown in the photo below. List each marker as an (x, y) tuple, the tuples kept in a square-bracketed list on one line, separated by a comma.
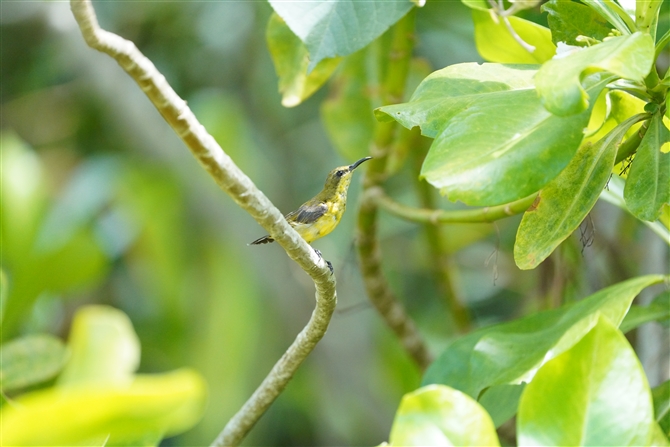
[(529, 123), (97, 397)]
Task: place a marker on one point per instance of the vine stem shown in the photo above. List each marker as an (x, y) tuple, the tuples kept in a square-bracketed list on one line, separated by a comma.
[(432, 216), (382, 298), (243, 191)]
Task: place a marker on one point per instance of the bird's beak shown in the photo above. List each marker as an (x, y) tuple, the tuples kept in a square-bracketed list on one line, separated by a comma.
[(355, 165)]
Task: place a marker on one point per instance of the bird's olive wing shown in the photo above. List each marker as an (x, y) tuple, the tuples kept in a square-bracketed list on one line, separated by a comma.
[(307, 213)]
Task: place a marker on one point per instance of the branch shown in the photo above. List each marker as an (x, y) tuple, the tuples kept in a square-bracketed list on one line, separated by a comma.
[(242, 190), (477, 215), (378, 290)]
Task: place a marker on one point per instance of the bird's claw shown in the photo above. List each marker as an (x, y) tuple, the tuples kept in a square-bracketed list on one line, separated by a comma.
[(330, 266)]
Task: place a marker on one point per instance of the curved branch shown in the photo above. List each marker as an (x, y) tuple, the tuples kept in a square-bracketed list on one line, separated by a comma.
[(243, 191), (423, 215)]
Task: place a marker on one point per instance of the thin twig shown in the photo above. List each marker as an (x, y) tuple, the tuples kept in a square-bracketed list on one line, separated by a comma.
[(473, 215), (236, 184)]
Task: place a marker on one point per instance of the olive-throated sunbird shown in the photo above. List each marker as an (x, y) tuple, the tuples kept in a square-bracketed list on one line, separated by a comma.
[(319, 216)]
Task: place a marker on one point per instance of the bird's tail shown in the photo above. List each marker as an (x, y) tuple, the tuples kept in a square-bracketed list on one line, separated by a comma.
[(262, 240)]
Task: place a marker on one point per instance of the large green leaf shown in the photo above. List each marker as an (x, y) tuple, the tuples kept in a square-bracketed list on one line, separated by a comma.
[(558, 81), (596, 393), (569, 20), (483, 154), (648, 184), (439, 415), (496, 44), (347, 113), (291, 59), (564, 202), (104, 348), (339, 27), (31, 359), (137, 414), (446, 93), (512, 352)]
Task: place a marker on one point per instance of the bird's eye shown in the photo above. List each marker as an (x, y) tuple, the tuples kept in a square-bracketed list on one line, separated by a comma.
[(339, 173)]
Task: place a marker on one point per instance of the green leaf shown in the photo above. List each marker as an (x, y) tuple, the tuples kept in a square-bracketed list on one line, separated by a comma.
[(30, 360), (646, 15), (661, 396), (501, 401), (446, 93), (339, 27), (658, 438), (137, 414), (481, 5), (558, 81), (564, 203), (608, 11), (568, 20), (104, 348), (485, 155), (347, 113), (512, 352), (596, 393), (4, 288), (648, 184), (439, 415), (657, 310), (291, 59), (496, 44)]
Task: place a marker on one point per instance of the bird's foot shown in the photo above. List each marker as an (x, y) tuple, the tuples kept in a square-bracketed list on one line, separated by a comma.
[(330, 266)]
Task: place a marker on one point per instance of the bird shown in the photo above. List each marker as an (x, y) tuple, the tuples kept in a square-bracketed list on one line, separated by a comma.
[(320, 215)]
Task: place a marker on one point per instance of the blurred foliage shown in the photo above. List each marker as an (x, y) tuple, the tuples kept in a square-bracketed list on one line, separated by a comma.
[(102, 204)]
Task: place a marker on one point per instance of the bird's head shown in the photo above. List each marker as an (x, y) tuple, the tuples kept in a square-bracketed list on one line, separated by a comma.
[(339, 178)]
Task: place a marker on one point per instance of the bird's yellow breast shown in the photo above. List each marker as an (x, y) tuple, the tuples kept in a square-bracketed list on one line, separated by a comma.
[(324, 224)]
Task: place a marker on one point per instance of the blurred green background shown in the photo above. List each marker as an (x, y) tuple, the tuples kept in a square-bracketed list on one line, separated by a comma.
[(102, 203)]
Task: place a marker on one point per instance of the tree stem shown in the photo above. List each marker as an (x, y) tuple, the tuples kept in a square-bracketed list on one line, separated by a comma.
[(378, 291)]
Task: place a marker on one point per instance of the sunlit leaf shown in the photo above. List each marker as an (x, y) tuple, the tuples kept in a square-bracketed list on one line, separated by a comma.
[(512, 352), (482, 154), (568, 20), (496, 44), (4, 288), (149, 407), (439, 415), (481, 5), (31, 359), (558, 81), (648, 183), (646, 15), (340, 27), (104, 348), (596, 393), (291, 59), (564, 202)]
